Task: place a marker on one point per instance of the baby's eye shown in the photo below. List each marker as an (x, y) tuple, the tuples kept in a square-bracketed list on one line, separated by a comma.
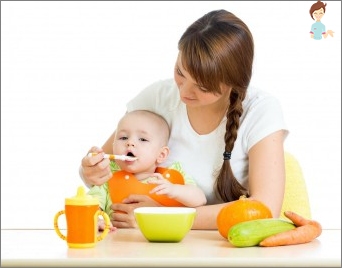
[(123, 138), (143, 139)]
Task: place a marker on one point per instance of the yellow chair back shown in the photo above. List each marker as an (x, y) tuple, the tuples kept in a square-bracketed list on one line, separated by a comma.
[(296, 197)]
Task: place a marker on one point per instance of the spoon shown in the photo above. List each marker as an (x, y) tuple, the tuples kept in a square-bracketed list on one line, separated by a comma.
[(116, 157)]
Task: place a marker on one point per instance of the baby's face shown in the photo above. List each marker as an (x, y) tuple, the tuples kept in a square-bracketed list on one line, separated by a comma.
[(139, 136)]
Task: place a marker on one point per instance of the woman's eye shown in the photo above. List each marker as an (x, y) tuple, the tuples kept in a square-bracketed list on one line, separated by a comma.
[(179, 72), (203, 89)]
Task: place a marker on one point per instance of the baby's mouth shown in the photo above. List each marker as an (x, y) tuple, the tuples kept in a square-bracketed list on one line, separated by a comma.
[(130, 154), (130, 157)]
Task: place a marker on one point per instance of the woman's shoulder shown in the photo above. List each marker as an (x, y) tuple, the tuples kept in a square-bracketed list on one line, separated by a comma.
[(166, 87), (161, 97), (257, 97), (262, 115)]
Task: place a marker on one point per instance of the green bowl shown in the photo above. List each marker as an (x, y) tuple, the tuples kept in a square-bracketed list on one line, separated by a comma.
[(164, 224)]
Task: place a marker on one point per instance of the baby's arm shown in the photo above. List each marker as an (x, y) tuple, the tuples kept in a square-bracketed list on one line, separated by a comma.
[(187, 194)]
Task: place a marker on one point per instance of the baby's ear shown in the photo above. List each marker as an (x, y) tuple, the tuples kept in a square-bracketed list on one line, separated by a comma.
[(164, 153)]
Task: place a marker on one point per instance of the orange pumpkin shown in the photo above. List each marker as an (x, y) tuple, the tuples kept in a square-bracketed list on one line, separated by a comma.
[(240, 210)]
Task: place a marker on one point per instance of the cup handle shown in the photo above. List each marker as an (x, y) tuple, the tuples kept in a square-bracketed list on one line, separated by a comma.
[(107, 227), (55, 221)]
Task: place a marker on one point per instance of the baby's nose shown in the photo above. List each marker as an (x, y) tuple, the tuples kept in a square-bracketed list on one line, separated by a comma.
[(130, 144)]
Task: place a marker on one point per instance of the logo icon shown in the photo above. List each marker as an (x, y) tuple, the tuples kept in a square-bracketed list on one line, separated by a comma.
[(318, 30)]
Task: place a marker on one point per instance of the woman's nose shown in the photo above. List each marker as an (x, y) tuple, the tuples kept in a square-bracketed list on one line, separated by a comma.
[(186, 87)]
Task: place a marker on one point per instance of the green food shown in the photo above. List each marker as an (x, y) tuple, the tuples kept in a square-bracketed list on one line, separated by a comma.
[(251, 233)]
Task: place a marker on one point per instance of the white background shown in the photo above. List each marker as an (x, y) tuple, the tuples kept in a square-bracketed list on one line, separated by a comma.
[(68, 68)]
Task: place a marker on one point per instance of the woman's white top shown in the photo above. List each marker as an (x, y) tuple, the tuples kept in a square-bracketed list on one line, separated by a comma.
[(202, 155)]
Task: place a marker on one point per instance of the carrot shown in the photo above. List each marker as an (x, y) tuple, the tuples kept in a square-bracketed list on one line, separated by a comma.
[(305, 231)]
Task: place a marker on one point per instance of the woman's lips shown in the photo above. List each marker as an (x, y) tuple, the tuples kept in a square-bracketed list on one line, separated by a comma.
[(187, 99)]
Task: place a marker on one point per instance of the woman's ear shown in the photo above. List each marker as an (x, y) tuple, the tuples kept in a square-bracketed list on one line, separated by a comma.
[(164, 153)]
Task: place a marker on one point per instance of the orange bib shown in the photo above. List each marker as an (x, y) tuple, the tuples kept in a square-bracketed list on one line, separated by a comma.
[(122, 184)]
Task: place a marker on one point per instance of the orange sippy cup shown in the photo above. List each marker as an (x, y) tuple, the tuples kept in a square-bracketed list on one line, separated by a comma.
[(81, 213)]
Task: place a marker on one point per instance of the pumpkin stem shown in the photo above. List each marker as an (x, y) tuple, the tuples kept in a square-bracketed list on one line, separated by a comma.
[(242, 197)]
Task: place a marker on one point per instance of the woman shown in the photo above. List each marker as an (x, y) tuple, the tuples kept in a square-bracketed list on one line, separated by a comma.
[(317, 12), (228, 136)]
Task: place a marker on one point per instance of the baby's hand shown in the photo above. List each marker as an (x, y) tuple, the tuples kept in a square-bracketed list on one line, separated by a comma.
[(157, 178), (164, 186), (102, 225)]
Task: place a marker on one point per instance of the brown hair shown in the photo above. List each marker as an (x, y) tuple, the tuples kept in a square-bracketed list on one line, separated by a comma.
[(316, 6), (219, 48)]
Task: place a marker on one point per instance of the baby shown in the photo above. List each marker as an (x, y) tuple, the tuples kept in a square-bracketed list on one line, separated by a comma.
[(144, 135)]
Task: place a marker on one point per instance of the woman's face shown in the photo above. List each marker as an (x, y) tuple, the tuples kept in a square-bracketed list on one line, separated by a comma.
[(318, 14), (192, 94)]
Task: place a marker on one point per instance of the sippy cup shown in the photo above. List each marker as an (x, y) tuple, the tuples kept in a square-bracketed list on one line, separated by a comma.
[(81, 213)]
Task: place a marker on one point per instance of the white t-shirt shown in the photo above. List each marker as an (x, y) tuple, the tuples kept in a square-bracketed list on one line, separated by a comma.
[(202, 155)]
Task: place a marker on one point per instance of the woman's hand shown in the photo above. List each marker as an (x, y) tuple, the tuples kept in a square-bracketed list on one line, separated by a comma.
[(124, 216), (95, 170)]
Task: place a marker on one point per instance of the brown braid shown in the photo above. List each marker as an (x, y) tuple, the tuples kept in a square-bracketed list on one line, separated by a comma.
[(227, 187)]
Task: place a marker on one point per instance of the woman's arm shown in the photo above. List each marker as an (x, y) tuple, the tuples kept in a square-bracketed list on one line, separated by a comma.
[(267, 171), (206, 217), (108, 145), (266, 180)]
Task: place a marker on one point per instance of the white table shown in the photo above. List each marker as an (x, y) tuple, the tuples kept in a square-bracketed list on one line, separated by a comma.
[(128, 247)]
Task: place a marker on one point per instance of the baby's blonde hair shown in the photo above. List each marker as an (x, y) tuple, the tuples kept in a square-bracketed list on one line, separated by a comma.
[(158, 119)]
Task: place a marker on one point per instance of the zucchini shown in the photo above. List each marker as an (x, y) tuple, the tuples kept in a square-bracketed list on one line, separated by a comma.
[(251, 233)]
